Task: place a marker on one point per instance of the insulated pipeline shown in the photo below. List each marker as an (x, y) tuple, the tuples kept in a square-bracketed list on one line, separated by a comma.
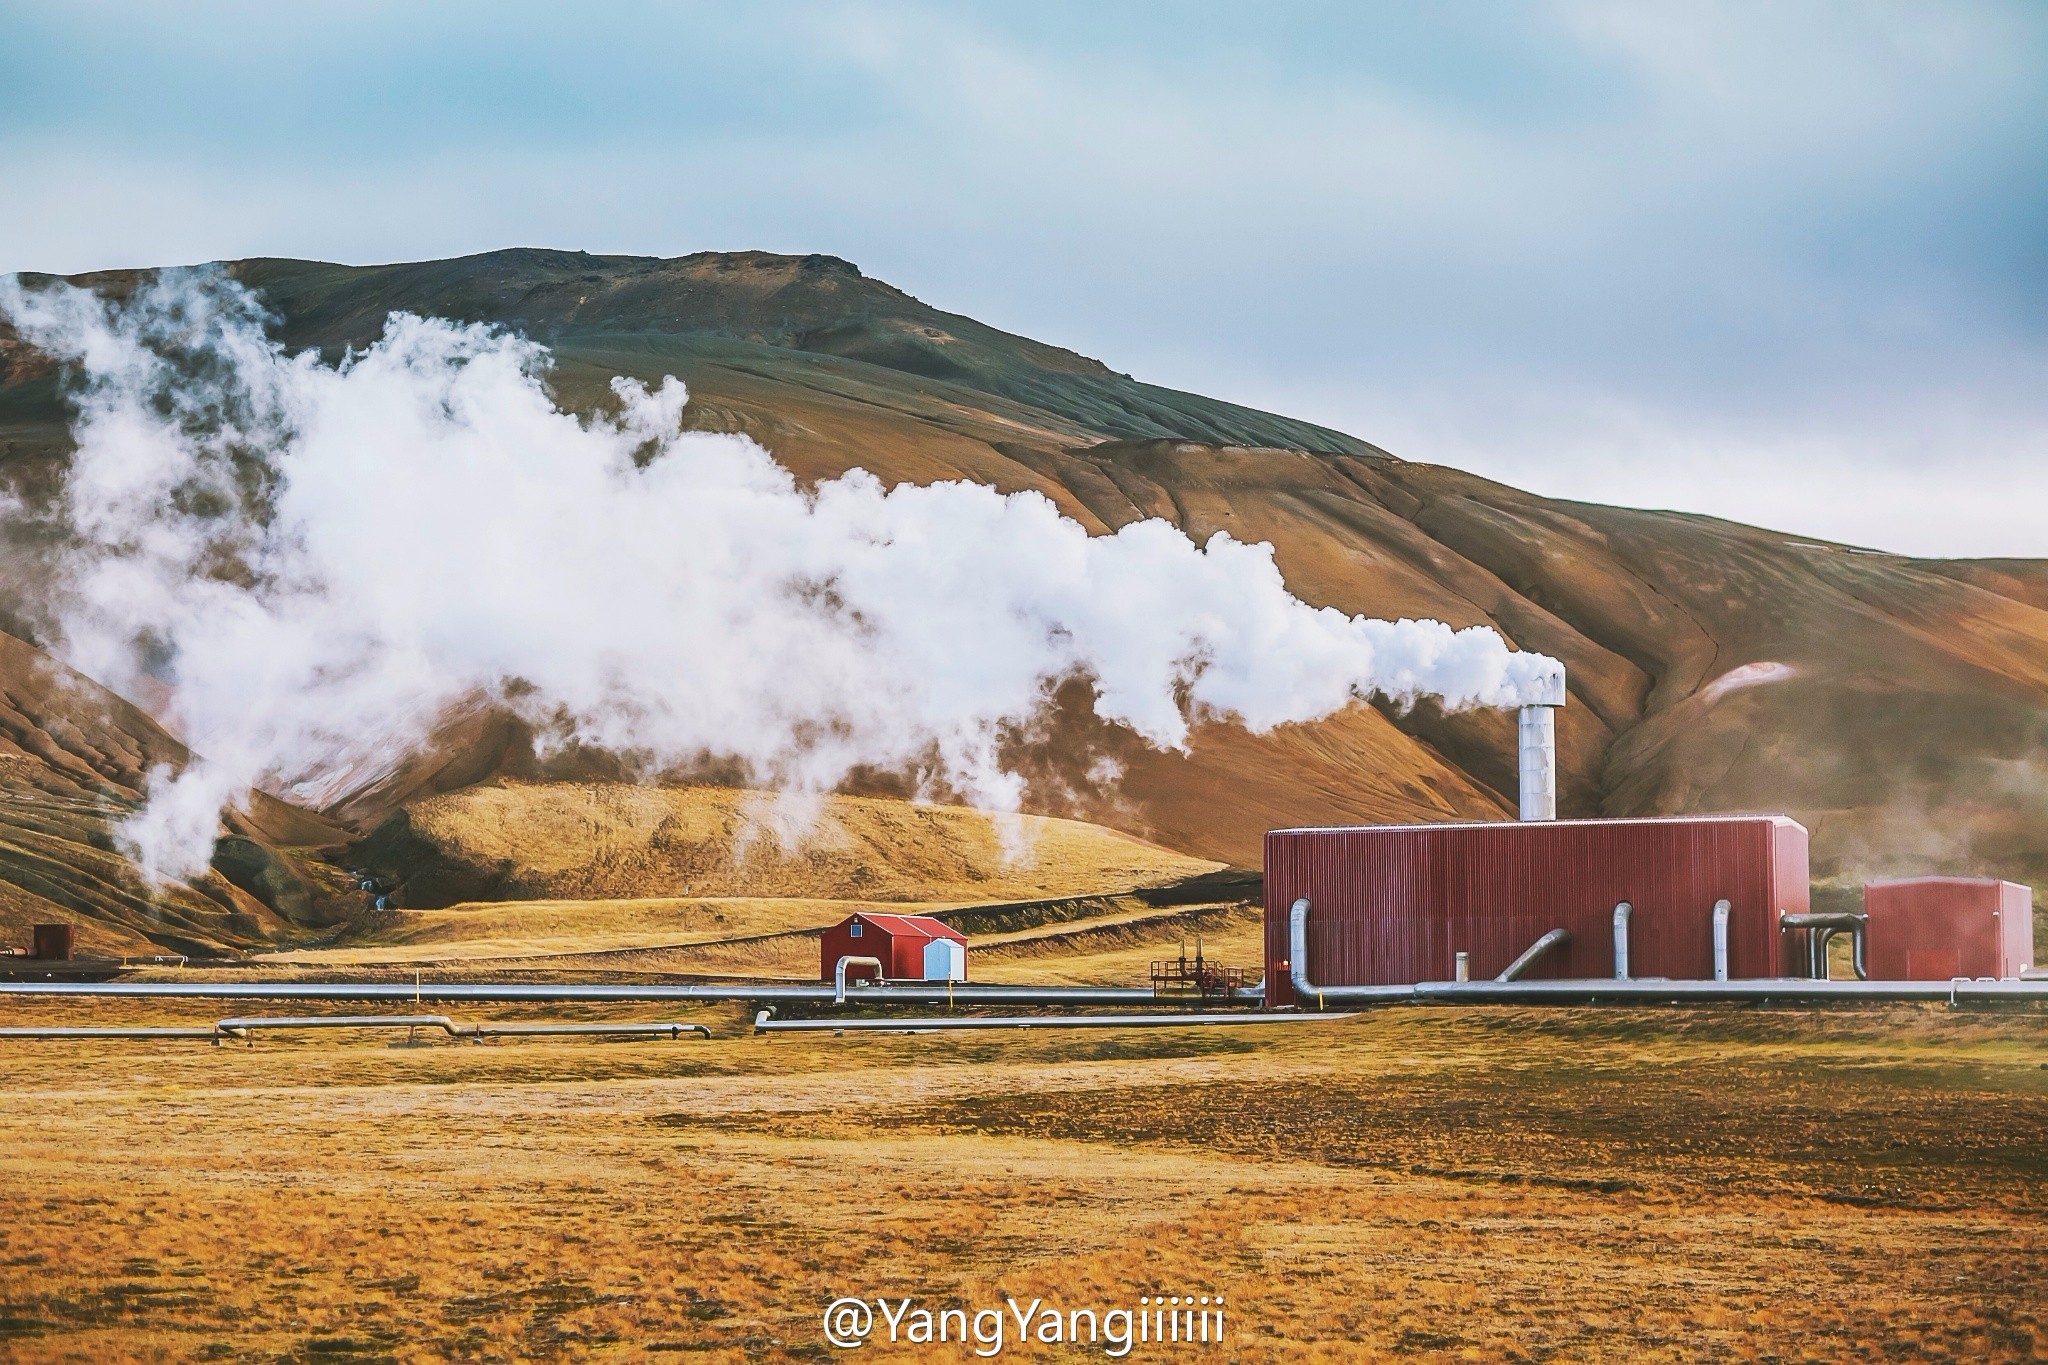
[(1793, 990), (1556, 938), (1780, 990), (242, 1027), (1722, 910), (496, 992), (1306, 991), (763, 1023), (1820, 927), (85, 1032), (839, 974)]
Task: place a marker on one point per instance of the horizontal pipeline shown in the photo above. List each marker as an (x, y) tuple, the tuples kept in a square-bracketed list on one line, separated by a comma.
[(1782, 990), (243, 1027), (906, 993), (88, 1031), (764, 1024)]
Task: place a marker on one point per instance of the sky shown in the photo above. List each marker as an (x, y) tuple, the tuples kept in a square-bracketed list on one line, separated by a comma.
[(1785, 263)]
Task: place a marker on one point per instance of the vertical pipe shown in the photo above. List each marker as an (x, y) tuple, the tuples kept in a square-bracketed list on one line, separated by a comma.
[(1464, 971), (1538, 746), (1297, 955), (1721, 910), (1621, 918)]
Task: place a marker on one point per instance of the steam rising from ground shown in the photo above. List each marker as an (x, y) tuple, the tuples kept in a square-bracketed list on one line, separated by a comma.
[(310, 563)]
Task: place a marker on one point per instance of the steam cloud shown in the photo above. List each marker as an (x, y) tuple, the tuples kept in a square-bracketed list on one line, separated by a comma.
[(306, 564)]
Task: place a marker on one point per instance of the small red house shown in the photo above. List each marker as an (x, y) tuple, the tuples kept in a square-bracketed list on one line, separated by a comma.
[(1939, 928), (909, 947)]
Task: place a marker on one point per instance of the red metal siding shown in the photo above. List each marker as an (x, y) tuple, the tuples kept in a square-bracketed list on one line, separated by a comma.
[(901, 954), (1393, 904), (1934, 928)]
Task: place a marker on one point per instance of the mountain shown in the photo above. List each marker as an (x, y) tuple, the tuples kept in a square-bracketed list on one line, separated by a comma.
[(1894, 705), (74, 759)]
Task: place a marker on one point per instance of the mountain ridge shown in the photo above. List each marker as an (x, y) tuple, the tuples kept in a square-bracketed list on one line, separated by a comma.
[(1895, 705)]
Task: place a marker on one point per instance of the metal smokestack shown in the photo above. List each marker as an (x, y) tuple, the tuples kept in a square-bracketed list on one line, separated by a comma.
[(1538, 730)]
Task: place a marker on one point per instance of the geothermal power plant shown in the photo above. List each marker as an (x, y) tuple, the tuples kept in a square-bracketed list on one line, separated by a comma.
[(1710, 909), (1683, 906)]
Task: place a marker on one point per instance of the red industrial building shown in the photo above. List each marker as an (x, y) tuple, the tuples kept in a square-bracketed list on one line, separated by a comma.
[(1395, 904), (1940, 928), (909, 947)]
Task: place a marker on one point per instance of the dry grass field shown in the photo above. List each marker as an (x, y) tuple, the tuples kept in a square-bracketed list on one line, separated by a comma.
[(1039, 898), (1485, 1184), (609, 841)]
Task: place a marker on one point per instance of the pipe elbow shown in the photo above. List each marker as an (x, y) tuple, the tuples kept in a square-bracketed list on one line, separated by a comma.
[(1297, 953), (839, 975), (1556, 938)]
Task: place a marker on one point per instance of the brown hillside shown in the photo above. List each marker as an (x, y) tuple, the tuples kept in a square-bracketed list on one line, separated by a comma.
[(1894, 705), (73, 761)]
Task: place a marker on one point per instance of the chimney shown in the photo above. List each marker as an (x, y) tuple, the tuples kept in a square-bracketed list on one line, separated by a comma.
[(1538, 727)]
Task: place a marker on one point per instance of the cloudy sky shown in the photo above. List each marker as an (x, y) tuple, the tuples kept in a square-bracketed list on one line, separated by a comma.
[(1781, 262)]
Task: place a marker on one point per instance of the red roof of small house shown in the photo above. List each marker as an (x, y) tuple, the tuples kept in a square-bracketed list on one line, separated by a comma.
[(917, 926)]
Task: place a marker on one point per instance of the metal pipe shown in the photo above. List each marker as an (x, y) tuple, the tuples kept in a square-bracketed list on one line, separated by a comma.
[(1537, 733), (1820, 927), (1536, 746), (1780, 990), (1722, 910), (1297, 953), (110, 1031), (764, 1024), (499, 992), (1786, 990), (667, 1029), (839, 974), (242, 1027), (1556, 938), (1623, 912), (1306, 990)]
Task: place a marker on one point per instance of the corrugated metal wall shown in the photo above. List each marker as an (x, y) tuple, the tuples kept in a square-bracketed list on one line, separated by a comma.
[(1935, 928), (1392, 904), (901, 954)]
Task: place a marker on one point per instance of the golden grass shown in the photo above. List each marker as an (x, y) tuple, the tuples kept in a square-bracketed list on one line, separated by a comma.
[(778, 938), (904, 858), (1120, 949), (526, 929), (1487, 1184), (615, 841)]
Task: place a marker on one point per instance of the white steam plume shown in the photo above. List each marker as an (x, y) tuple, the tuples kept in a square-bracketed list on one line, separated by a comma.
[(310, 563)]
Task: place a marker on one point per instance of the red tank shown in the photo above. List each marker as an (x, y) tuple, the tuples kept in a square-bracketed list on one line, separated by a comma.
[(1395, 904), (1939, 928)]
